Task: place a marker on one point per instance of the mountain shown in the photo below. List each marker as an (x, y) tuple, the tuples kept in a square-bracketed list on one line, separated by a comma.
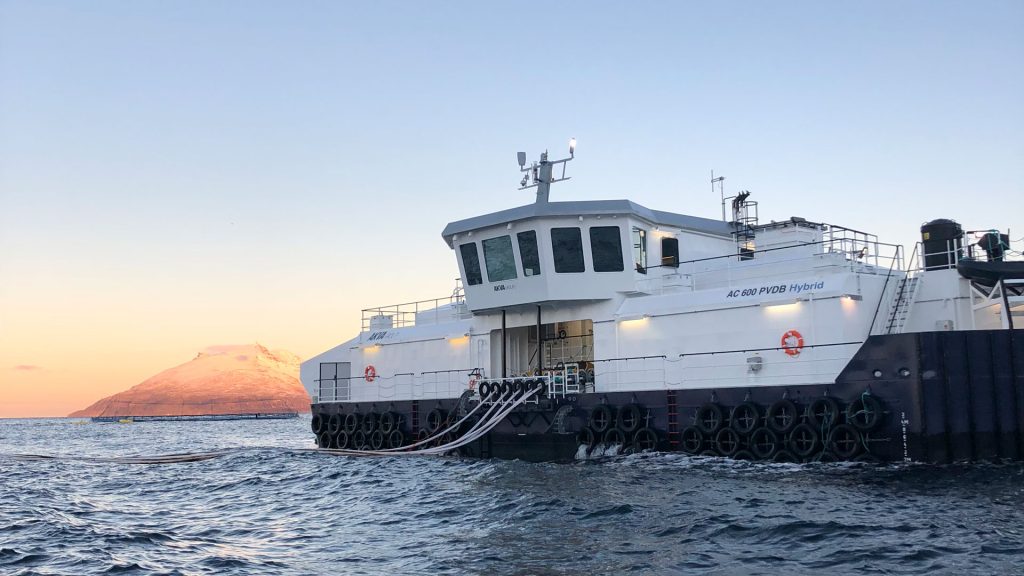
[(220, 380)]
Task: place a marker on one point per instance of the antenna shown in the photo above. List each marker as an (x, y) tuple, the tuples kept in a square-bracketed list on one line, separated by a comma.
[(539, 174), (721, 190)]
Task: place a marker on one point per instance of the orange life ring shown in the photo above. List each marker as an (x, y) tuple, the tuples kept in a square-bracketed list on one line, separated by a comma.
[(370, 374), (792, 343)]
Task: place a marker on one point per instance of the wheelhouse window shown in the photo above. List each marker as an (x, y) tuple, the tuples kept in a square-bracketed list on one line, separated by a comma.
[(640, 250), (501, 261), (528, 252), (606, 248), (567, 249), (471, 262), (670, 252)]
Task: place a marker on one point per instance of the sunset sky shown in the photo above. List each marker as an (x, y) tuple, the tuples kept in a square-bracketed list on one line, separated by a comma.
[(175, 175)]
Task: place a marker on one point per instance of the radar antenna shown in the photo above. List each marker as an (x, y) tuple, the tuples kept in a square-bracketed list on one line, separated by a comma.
[(539, 174)]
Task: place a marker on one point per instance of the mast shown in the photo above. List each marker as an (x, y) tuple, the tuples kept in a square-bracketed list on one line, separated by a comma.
[(540, 174)]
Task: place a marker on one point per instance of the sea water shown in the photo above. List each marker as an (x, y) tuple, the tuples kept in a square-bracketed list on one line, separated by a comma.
[(266, 503)]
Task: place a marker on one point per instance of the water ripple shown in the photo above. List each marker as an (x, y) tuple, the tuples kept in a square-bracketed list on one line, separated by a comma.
[(252, 498)]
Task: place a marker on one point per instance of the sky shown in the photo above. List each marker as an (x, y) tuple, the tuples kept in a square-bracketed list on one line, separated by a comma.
[(176, 175)]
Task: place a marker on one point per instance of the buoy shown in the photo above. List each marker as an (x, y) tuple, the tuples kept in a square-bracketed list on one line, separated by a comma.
[(370, 373), (792, 343)]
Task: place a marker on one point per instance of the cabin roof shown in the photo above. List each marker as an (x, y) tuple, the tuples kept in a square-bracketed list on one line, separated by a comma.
[(582, 208)]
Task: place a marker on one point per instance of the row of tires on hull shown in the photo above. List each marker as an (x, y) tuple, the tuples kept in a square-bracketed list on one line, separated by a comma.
[(509, 388), (823, 430), (370, 431), (626, 427)]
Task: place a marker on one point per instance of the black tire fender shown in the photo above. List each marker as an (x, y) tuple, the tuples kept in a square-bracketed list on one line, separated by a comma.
[(803, 440), (370, 423), (353, 422), (435, 418), (865, 413), (823, 413), (341, 440), (614, 436), (396, 439), (645, 439), (586, 437), (601, 418), (691, 440), (630, 418), (745, 417), (727, 441), (782, 416), (334, 424), (377, 439), (845, 442), (764, 443), (709, 418)]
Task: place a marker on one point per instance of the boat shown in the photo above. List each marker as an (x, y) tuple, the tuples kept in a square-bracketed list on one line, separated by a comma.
[(591, 328)]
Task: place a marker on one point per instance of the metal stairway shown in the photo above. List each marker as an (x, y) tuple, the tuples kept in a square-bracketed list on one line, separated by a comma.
[(906, 294)]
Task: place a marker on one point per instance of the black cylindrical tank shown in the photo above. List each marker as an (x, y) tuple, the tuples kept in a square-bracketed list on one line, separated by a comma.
[(941, 244)]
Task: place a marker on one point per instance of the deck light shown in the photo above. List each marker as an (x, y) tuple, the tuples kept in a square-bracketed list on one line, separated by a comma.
[(782, 308), (521, 156), (572, 147)]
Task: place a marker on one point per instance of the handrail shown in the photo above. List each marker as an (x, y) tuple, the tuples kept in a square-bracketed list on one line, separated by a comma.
[(766, 349), (800, 245), (401, 313), (881, 296)]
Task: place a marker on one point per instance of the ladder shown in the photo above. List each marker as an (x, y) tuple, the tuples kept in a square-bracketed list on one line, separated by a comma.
[(673, 419), (906, 293)]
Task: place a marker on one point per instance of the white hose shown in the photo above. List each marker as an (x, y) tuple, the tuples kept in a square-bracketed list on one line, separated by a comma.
[(445, 431), (483, 426), (472, 435)]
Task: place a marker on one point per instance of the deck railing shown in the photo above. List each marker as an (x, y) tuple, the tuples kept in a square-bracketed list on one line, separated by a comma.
[(408, 313)]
